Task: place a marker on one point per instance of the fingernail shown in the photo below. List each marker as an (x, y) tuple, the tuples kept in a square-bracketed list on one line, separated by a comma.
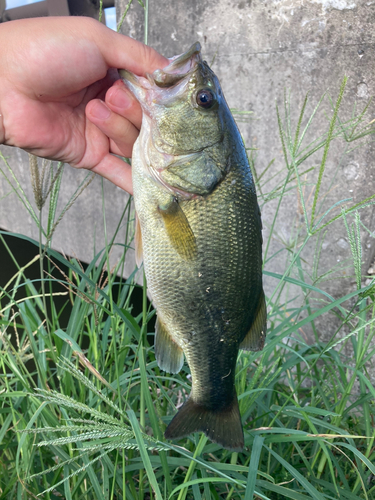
[(100, 110), (120, 98)]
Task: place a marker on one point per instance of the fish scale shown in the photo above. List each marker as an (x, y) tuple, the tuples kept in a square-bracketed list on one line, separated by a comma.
[(200, 235)]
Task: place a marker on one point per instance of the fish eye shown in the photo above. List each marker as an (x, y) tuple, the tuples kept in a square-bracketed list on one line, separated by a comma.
[(205, 98)]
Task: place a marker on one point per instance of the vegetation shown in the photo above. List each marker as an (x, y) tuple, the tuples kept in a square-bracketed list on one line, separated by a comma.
[(83, 404)]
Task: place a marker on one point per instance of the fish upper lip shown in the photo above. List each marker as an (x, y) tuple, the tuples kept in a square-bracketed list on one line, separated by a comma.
[(179, 67), (177, 61)]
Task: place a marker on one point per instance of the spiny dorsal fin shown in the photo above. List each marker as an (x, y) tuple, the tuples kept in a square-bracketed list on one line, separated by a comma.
[(169, 355), (179, 230), (256, 336), (261, 224), (138, 242)]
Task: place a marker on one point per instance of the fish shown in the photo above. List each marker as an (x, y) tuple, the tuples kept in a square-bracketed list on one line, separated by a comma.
[(199, 233)]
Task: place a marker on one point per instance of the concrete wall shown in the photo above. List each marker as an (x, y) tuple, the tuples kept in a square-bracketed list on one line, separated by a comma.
[(81, 232), (259, 49)]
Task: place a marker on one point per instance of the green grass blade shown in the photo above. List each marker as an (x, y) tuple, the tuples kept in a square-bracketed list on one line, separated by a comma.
[(253, 467), (298, 476), (144, 455)]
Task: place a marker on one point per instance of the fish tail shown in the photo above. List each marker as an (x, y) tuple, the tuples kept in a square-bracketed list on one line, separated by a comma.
[(221, 426)]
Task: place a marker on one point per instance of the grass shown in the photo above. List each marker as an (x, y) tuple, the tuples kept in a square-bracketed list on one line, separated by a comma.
[(83, 404)]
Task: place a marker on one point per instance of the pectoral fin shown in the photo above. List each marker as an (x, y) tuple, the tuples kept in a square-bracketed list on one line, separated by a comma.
[(169, 355), (256, 336), (138, 242), (179, 230)]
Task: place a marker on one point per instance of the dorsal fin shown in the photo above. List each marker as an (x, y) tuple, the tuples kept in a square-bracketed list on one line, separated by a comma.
[(256, 336)]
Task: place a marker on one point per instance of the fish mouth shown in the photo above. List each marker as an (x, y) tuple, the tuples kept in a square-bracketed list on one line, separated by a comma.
[(179, 67)]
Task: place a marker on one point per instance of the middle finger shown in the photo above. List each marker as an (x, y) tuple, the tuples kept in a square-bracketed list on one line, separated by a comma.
[(121, 101)]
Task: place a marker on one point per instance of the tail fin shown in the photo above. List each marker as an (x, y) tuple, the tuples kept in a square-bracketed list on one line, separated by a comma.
[(221, 426)]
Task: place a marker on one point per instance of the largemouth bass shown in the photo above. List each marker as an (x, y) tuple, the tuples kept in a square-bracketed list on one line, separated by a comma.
[(199, 231)]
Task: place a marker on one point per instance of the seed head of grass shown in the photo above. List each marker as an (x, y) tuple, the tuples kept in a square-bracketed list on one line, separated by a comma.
[(41, 182)]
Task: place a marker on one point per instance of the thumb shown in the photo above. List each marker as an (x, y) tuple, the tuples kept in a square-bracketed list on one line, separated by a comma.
[(123, 52)]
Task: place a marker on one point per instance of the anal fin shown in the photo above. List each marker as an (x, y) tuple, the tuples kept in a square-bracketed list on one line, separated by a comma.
[(179, 230), (169, 355), (256, 336)]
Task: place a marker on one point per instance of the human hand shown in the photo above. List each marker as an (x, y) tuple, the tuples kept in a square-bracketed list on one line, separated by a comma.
[(55, 74)]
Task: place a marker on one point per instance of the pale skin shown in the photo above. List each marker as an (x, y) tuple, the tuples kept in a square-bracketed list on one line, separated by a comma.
[(61, 98)]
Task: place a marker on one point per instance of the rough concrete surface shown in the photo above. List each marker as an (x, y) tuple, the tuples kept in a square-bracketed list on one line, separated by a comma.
[(259, 49)]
